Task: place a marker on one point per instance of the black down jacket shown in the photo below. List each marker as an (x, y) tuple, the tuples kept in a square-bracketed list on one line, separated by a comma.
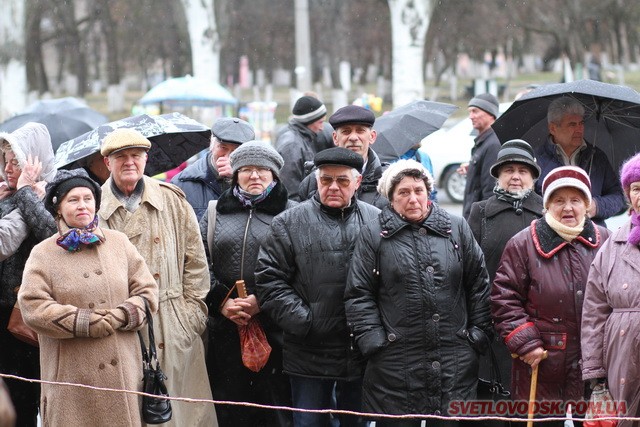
[(418, 303), (300, 281)]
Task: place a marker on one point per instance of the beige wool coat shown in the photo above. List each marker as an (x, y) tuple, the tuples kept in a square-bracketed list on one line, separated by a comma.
[(59, 290), (165, 231)]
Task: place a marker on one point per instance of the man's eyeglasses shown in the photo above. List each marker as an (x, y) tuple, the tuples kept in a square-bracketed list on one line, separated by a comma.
[(262, 172), (342, 181)]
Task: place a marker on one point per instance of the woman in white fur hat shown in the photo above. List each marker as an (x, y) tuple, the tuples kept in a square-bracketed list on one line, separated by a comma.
[(417, 302)]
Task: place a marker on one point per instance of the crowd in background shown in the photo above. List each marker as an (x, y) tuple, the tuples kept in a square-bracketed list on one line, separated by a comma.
[(370, 296)]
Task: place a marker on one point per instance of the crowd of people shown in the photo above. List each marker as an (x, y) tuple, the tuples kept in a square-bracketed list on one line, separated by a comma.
[(372, 298)]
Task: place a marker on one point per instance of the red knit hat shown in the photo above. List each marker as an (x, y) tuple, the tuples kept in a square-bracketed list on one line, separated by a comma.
[(566, 176)]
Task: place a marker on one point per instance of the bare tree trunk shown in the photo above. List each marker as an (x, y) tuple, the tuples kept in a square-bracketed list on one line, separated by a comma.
[(36, 73), (409, 23), (205, 42), (13, 71), (70, 44), (115, 92)]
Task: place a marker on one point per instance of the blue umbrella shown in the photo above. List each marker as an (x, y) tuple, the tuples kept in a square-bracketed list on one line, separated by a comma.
[(188, 91)]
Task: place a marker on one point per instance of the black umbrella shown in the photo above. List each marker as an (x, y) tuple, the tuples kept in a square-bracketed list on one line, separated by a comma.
[(174, 138), (612, 117), (65, 118), (406, 126)]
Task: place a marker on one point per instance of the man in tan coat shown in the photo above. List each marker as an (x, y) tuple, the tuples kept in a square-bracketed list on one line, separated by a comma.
[(159, 221)]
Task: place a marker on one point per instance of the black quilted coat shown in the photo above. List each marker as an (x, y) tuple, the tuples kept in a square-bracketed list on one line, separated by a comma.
[(417, 297), (300, 281)]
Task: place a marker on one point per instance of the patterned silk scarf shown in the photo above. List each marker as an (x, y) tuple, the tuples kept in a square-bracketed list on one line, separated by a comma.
[(74, 237), (249, 200)]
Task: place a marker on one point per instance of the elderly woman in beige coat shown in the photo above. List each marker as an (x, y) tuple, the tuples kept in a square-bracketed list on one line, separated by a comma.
[(83, 291)]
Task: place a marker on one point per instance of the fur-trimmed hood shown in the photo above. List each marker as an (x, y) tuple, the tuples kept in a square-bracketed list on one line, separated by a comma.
[(32, 138)]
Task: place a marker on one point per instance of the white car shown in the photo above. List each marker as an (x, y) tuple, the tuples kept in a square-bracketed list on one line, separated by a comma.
[(448, 148)]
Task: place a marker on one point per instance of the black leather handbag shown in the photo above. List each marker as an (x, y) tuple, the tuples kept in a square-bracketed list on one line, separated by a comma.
[(492, 390), (155, 410)]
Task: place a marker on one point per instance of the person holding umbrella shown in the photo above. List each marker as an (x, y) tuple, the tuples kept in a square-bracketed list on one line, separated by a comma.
[(161, 224), (612, 297), (538, 290), (566, 146)]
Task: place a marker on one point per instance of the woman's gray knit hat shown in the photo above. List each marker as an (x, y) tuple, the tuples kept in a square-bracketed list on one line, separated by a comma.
[(256, 153)]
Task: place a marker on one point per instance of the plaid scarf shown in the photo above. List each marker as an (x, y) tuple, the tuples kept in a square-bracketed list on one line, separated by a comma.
[(249, 200)]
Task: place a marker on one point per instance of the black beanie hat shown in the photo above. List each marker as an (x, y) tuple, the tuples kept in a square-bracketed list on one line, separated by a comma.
[(308, 109), (65, 181)]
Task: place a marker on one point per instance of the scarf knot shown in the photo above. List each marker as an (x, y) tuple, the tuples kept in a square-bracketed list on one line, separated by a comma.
[(249, 200), (74, 237), (634, 234)]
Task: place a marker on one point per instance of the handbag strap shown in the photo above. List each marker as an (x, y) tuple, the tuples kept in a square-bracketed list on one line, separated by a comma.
[(151, 354), (493, 366)]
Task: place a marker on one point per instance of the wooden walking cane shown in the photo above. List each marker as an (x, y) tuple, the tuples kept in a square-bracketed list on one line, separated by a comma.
[(532, 390)]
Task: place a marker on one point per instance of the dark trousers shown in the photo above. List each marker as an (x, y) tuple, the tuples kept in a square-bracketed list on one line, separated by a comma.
[(231, 380), (18, 358), (315, 393)]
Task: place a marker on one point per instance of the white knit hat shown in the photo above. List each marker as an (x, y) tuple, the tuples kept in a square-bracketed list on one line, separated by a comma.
[(566, 176), (384, 184)]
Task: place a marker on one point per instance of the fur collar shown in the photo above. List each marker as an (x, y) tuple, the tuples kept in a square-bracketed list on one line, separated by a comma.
[(274, 203), (548, 242), (438, 221)]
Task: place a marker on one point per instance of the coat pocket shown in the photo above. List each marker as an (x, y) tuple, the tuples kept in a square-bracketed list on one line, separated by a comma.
[(554, 368)]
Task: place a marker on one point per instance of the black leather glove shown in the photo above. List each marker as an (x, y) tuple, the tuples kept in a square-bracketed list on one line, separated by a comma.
[(478, 339)]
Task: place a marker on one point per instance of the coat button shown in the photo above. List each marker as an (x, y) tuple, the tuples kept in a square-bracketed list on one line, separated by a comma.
[(437, 412), (91, 305), (391, 337), (430, 269), (156, 239), (156, 276), (161, 346), (101, 366), (114, 362), (98, 272), (625, 286), (435, 364), (85, 275), (435, 317), (622, 381), (422, 231), (579, 293), (622, 333)]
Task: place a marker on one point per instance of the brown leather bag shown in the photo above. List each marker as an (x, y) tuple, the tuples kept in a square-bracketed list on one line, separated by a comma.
[(19, 329)]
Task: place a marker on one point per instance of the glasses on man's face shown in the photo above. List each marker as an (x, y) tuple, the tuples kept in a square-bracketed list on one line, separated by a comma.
[(342, 181), (262, 172)]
